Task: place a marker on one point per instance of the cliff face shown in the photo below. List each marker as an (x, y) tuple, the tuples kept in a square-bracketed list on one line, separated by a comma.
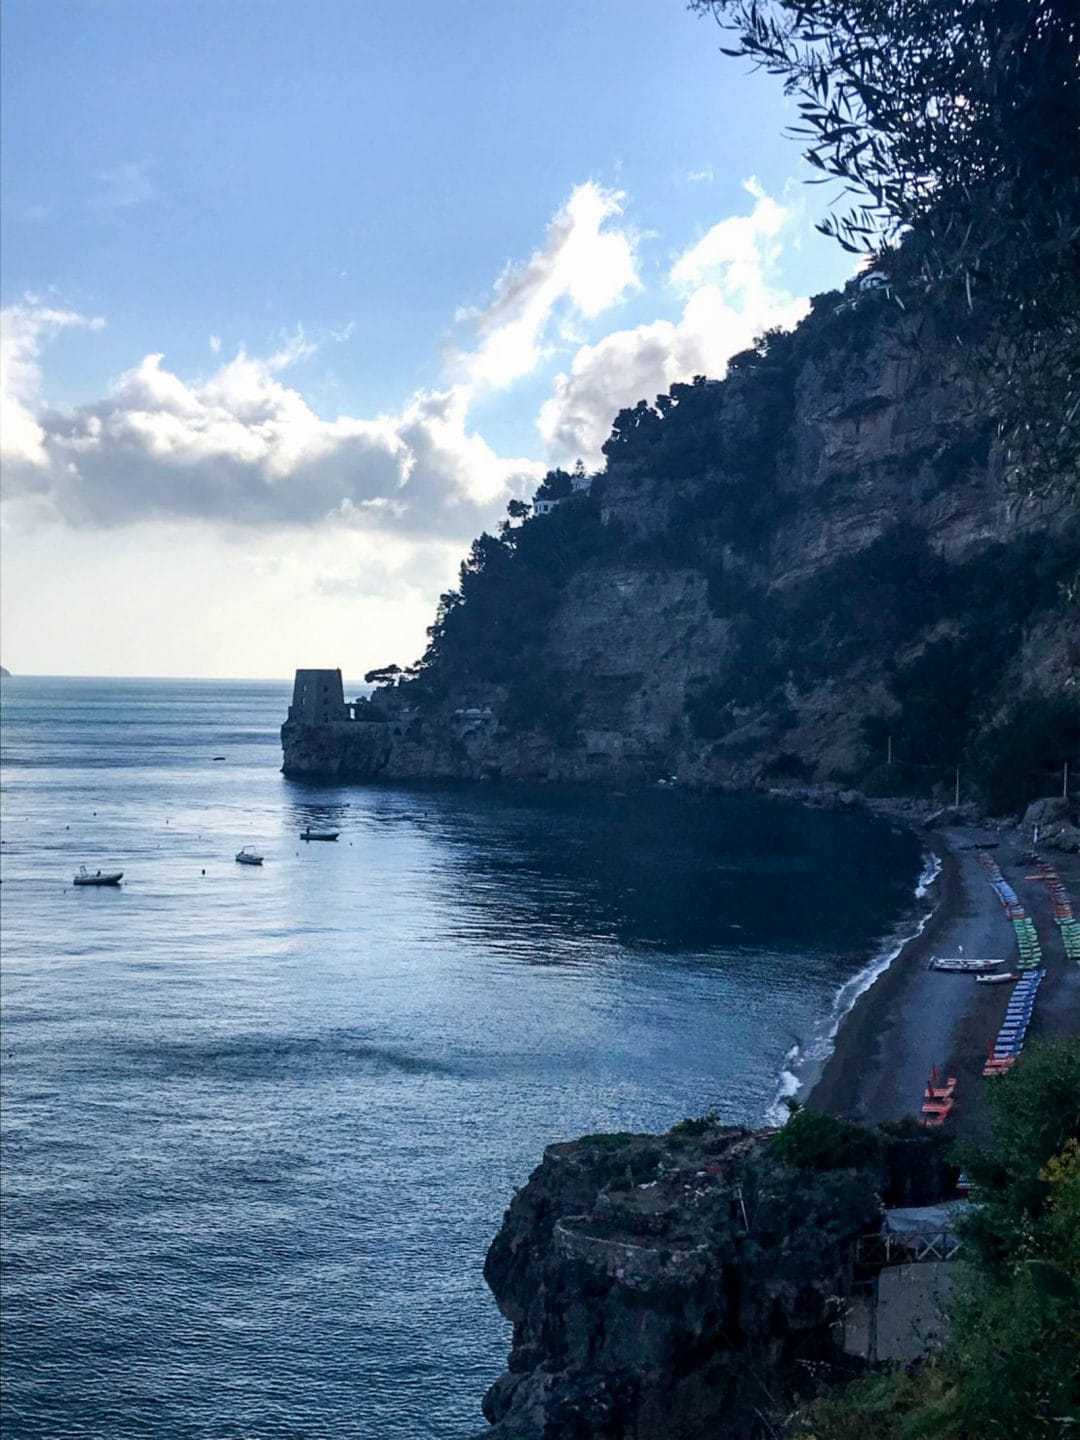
[(667, 1287), (767, 568)]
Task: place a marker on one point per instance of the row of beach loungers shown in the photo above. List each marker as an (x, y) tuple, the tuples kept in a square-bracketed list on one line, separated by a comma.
[(1010, 1038), (1064, 918), (939, 1097), (1027, 942)]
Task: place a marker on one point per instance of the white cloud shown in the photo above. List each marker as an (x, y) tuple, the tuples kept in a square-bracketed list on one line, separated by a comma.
[(729, 293), (24, 331), (215, 492), (737, 251), (241, 447), (584, 267)]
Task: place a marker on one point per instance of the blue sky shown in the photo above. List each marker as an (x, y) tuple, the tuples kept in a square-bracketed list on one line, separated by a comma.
[(395, 259)]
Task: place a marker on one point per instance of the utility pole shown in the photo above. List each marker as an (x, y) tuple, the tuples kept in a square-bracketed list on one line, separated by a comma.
[(1065, 781), (956, 801), (888, 760)]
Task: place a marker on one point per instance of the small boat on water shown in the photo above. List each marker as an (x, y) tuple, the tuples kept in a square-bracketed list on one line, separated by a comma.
[(961, 965), (310, 834), (995, 979), (98, 877), (248, 855)]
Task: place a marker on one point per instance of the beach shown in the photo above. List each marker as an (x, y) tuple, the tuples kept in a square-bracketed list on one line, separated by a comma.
[(913, 1018)]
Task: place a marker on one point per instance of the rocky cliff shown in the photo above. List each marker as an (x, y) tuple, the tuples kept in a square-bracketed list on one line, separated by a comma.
[(771, 576), (684, 1286)]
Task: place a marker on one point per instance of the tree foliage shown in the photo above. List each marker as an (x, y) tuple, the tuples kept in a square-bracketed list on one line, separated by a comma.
[(952, 130), (1012, 1365), (491, 629), (384, 675)]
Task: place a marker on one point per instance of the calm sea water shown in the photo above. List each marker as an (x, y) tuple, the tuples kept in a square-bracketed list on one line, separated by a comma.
[(259, 1125)]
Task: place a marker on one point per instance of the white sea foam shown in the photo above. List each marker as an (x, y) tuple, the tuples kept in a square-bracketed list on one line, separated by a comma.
[(789, 1085), (803, 1064), (930, 871)]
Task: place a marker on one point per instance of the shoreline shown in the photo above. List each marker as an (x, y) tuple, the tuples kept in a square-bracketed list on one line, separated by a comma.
[(873, 1061), (806, 1066), (910, 1017)]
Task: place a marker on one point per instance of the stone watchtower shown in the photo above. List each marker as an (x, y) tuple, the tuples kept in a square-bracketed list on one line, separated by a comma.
[(318, 698)]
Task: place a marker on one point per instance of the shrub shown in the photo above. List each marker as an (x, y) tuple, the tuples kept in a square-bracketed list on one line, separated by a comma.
[(812, 1140)]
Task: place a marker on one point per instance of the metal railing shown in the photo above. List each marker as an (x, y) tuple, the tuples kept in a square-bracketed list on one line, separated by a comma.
[(877, 1251)]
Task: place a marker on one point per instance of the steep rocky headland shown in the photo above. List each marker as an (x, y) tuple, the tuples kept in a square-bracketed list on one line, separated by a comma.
[(794, 574), (688, 1284)]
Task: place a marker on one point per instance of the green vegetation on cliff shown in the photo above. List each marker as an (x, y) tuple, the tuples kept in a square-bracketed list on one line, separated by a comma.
[(706, 482), (491, 630), (1012, 1365), (954, 129)]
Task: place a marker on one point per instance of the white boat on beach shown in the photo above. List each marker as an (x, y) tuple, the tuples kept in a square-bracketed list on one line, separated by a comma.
[(248, 856), (98, 877), (961, 965), (310, 834)]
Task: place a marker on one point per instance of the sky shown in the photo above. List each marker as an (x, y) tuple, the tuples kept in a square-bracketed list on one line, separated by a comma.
[(298, 294)]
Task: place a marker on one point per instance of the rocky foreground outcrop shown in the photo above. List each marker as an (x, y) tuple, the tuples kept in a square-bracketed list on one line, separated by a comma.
[(680, 1286)]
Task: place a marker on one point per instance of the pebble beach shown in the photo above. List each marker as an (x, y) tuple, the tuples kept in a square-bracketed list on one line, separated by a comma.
[(913, 1018)]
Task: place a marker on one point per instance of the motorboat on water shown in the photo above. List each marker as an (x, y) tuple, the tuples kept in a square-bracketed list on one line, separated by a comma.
[(98, 877), (995, 979), (248, 855), (961, 965), (310, 834)]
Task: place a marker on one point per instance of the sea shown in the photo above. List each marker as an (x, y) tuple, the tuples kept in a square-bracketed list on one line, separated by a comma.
[(259, 1125)]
